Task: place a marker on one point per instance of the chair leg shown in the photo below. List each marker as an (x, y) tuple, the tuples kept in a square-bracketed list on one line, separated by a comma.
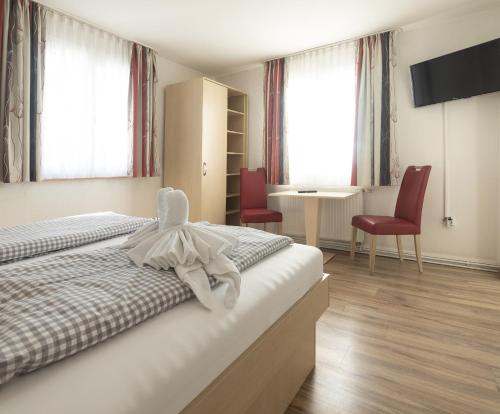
[(265, 226), (373, 249), (353, 241), (418, 253), (400, 248), (279, 227), (243, 224)]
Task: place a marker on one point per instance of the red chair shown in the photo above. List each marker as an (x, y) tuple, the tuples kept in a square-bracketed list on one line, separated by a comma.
[(253, 199), (407, 216)]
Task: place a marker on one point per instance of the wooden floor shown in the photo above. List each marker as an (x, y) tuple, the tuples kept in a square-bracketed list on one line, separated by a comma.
[(403, 342)]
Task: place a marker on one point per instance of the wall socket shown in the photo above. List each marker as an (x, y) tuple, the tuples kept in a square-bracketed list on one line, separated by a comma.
[(448, 221)]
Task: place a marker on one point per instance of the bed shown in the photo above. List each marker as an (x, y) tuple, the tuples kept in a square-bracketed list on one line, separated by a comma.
[(252, 358)]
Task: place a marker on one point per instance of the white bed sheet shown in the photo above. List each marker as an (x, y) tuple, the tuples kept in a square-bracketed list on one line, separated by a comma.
[(162, 364)]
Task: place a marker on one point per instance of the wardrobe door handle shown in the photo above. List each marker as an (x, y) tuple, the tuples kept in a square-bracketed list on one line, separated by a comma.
[(204, 169)]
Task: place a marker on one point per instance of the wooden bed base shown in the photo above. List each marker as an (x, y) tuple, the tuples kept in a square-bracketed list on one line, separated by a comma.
[(266, 377)]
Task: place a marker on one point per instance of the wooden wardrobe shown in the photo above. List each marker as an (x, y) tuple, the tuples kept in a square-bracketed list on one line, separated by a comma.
[(205, 147)]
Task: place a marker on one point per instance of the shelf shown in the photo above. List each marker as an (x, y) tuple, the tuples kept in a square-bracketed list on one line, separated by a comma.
[(232, 195), (234, 92), (234, 211), (232, 112), (234, 132), (235, 153), (233, 174)]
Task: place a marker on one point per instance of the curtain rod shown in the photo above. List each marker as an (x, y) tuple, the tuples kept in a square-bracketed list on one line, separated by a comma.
[(340, 42), (81, 20)]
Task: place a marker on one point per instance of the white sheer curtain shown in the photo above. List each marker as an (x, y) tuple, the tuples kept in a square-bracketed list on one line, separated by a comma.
[(320, 115), (85, 116)]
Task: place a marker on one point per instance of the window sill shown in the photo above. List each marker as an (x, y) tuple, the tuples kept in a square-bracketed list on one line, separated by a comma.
[(124, 177)]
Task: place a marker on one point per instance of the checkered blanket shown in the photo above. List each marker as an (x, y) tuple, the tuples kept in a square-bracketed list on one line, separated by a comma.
[(28, 240), (63, 304)]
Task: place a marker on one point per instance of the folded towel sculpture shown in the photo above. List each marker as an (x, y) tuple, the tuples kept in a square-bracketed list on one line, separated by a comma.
[(193, 251)]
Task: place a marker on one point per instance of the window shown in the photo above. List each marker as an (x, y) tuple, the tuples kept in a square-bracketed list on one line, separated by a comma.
[(320, 115), (85, 119)]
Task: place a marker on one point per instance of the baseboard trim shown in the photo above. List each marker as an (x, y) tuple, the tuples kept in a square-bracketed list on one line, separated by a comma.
[(346, 246)]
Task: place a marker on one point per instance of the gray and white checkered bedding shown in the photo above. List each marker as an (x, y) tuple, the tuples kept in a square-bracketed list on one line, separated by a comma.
[(63, 304), (29, 240)]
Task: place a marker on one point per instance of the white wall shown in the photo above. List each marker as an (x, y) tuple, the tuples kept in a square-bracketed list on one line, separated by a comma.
[(473, 140), (21, 203), (473, 136)]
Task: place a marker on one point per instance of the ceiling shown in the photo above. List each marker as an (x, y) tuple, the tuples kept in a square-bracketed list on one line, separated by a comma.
[(217, 36)]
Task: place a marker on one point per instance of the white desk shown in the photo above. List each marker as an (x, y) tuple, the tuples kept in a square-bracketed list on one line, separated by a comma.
[(312, 211)]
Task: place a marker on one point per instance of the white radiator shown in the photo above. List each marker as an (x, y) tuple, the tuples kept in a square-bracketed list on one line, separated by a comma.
[(336, 216)]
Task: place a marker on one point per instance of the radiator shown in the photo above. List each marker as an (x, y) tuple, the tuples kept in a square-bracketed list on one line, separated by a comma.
[(335, 216)]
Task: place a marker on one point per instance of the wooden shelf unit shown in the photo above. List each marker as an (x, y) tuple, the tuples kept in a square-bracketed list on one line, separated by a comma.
[(237, 109), (205, 147), (195, 147)]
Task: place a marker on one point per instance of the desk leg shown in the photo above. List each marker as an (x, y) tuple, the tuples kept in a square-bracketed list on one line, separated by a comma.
[(312, 215), (312, 212)]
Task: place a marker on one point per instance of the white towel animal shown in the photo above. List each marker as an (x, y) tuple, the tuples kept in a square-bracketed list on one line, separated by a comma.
[(194, 252)]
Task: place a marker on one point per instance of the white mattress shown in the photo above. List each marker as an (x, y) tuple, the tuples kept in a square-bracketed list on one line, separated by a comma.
[(164, 363)]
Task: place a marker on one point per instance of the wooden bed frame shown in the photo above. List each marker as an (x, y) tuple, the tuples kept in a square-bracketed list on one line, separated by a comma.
[(266, 377)]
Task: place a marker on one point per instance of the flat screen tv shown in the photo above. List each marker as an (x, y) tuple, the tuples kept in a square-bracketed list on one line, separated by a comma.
[(468, 72)]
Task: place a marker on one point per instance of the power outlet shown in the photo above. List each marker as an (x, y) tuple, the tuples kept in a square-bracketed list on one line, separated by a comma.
[(448, 222)]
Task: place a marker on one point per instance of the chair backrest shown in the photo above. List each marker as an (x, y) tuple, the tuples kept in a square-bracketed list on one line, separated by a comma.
[(411, 194), (253, 188)]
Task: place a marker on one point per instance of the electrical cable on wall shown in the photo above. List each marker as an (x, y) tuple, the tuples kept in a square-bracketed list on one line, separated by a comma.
[(447, 218)]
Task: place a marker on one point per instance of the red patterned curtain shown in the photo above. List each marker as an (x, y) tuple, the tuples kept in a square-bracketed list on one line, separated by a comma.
[(275, 154), (143, 82), (22, 28), (2, 17)]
